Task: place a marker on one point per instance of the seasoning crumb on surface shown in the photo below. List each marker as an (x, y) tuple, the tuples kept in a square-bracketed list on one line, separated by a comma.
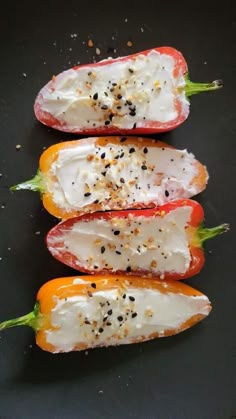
[(18, 146), (24, 74), (129, 44), (37, 233), (90, 43), (73, 35), (98, 51), (100, 391), (141, 29)]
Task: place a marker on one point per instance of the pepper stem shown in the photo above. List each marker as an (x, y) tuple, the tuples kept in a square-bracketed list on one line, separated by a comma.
[(192, 88), (208, 233), (35, 184), (29, 319)]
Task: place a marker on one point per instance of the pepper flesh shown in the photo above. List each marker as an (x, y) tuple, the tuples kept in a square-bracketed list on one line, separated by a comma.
[(46, 181), (88, 288), (57, 241), (143, 126)]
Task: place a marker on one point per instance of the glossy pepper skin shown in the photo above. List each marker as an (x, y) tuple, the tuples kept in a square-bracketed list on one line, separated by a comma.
[(45, 181), (196, 235), (108, 329), (145, 126)]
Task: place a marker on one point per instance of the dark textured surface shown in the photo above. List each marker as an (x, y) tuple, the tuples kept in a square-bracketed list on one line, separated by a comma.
[(191, 375)]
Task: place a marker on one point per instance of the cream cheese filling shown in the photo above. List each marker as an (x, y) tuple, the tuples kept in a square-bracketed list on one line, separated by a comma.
[(111, 317), (124, 94), (118, 176), (157, 244)]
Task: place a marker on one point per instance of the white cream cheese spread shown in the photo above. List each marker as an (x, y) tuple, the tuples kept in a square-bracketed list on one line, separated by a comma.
[(125, 94), (157, 244), (110, 317), (119, 176)]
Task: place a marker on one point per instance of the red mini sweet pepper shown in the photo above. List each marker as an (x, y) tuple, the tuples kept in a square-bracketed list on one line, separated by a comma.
[(163, 242), (142, 93)]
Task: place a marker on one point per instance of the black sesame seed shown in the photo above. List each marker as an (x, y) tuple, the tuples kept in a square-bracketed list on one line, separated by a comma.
[(166, 193), (104, 173), (117, 252), (132, 150), (131, 298), (171, 159), (132, 113), (90, 294), (133, 315), (96, 201), (95, 267), (128, 269), (103, 249), (119, 107), (93, 285), (134, 126), (89, 73), (130, 70), (144, 167), (100, 330), (73, 183), (107, 165), (122, 180), (129, 102), (124, 296), (107, 122), (116, 232), (87, 322), (119, 96), (109, 312), (112, 89), (108, 324), (87, 194), (105, 93), (111, 116), (123, 139), (122, 155), (114, 84), (104, 107), (145, 150), (120, 318), (95, 96)]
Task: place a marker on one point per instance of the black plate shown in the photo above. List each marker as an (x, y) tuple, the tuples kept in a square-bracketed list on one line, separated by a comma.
[(191, 375)]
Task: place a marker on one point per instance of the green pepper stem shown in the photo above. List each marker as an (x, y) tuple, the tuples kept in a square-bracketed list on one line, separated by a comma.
[(192, 88), (29, 319), (35, 184), (208, 233)]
